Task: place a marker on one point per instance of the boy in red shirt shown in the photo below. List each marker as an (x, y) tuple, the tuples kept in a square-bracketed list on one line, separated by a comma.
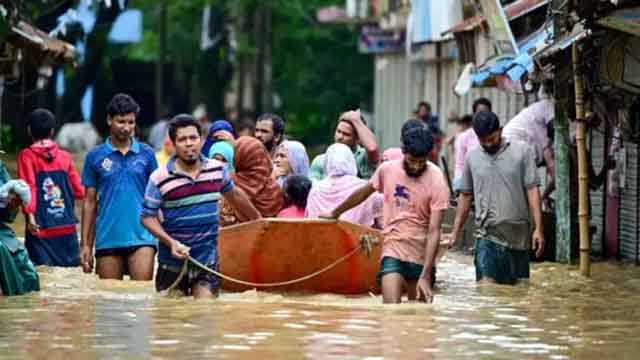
[(51, 237)]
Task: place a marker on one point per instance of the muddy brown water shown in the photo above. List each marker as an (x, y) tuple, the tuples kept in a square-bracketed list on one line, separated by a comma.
[(558, 315)]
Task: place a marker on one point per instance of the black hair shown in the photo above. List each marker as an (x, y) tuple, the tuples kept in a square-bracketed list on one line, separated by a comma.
[(481, 101), (245, 122), (41, 122), (411, 124), (423, 103), (122, 104), (296, 190), (182, 121), (467, 119), (485, 123), (416, 141), (278, 122)]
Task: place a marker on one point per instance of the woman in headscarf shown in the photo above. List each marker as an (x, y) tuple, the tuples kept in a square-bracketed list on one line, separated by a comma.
[(340, 183), (290, 159), (253, 177), (223, 151), (18, 275), (219, 130)]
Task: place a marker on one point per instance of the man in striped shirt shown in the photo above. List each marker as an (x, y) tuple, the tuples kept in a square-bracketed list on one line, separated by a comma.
[(186, 192)]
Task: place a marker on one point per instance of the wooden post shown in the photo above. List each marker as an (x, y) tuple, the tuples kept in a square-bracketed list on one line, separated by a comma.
[(561, 148), (583, 173)]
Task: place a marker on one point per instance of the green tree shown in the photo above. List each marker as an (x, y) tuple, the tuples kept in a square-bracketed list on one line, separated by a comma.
[(318, 71)]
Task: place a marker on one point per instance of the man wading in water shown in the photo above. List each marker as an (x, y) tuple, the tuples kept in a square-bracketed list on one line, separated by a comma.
[(415, 197), (114, 175), (500, 176), (186, 192)]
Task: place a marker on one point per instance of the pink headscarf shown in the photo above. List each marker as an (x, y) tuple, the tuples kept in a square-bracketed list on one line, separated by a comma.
[(394, 153), (340, 183)]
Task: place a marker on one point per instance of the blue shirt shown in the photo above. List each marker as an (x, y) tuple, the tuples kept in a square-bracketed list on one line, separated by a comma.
[(189, 208), (120, 182)]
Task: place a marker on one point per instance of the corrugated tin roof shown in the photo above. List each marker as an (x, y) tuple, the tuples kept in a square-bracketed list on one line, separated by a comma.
[(512, 11), (516, 67), (31, 37)]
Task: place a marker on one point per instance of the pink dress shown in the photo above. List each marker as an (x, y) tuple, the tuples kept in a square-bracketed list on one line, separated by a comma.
[(291, 212)]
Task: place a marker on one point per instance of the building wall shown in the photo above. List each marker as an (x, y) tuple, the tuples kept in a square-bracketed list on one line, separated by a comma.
[(597, 151), (401, 83), (629, 207)]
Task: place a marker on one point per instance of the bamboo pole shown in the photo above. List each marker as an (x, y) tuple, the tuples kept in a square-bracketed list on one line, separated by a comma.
[(583, 174)]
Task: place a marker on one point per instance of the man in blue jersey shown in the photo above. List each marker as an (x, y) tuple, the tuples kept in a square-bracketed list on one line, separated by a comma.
[(115, 175)]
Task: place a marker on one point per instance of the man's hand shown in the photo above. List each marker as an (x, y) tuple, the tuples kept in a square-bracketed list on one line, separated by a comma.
[(224, 135), (329, 216), (423, 289), (86, 259), (538, 242), (453, 239), (32, 225), (179, 250), (352, 116)]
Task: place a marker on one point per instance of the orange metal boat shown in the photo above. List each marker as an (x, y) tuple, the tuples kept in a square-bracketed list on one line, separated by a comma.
[(277, 250)]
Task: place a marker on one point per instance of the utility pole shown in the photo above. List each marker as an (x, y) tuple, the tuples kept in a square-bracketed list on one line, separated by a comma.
[(560, 146)]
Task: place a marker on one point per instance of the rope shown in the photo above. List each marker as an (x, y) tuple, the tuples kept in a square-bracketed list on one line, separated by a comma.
[(366, 245)]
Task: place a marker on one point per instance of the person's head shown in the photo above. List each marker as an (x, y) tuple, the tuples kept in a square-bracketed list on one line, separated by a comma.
[(245, 125), (291, 156), (417, 143), (251, 159), (424, 109), (296, 191), (223, 152), (185, 134), (340, 161), (218, 129), (41, 124), (345, 134), (487, 127), (122, 111), (481, 104), (465, 122), (270, 130)]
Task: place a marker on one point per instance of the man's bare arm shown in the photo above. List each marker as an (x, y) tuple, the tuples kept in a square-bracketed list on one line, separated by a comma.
[(240, 203), (365, 135), (433, 241), (353, 200), (464, 207), (89, 206)]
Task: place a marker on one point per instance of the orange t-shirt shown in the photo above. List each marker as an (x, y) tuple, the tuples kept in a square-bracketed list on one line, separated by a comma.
[(408, 203)]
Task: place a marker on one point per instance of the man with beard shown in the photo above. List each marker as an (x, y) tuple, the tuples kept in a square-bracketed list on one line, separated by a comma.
[(501, 177), (353, 132), (270, 131), (114, 175), (415, 198), (186, 192)]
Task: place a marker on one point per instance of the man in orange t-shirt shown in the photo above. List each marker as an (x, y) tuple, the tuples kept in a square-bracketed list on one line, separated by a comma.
[(415, 198)]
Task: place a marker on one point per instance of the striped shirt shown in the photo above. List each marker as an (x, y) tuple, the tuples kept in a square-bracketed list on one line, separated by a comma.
[(189, 207)]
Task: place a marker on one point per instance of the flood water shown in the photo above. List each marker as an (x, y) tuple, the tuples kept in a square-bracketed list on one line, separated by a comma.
[(559, 315)]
